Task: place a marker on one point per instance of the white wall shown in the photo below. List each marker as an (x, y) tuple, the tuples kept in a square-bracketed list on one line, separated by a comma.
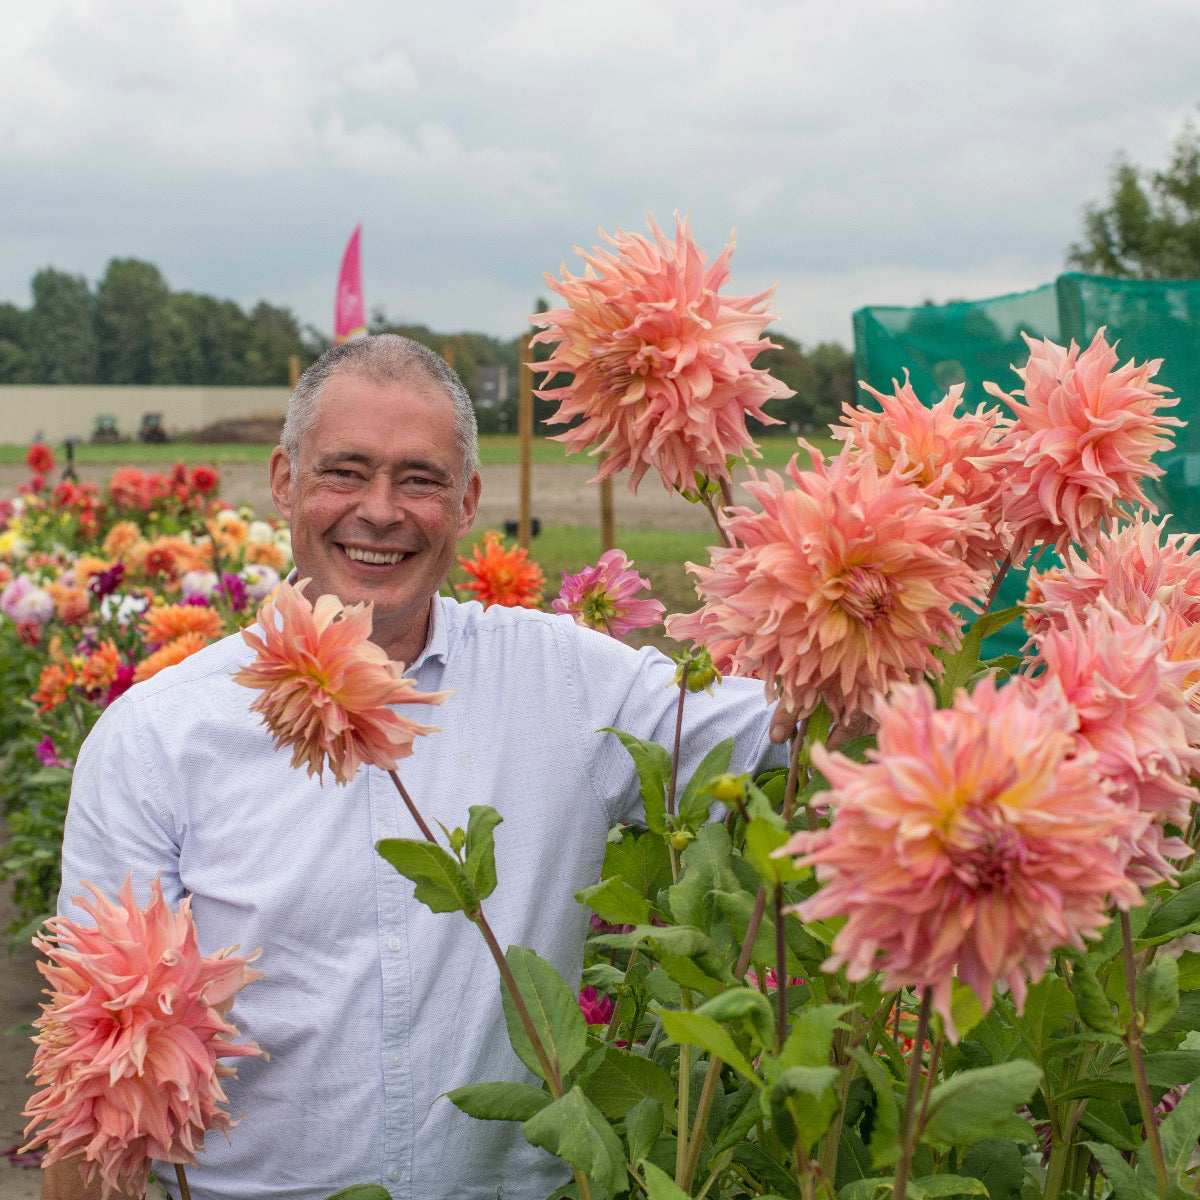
[(58, 413)]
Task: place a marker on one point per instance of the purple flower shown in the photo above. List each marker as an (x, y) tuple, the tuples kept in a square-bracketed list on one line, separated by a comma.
[(234, 588), (104, 583), (47, 755)]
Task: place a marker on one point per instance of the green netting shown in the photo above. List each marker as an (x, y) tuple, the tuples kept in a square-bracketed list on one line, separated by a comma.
[(973, 341)]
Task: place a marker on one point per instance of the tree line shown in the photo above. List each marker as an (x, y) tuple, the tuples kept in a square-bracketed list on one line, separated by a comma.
[(131, 328)]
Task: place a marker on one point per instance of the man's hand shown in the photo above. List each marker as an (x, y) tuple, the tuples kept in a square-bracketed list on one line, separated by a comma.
[(63, 1181)]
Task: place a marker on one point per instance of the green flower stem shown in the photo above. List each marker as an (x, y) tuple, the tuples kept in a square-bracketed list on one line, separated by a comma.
[(551, 1073), (908, 1136), (756, 916), (994, 591), (184, 1191), (683, 675), (703, 1108), (615, 1019), (792, 785), (781, 1007), (412, 808), (1133, 1043), (685, 1101)]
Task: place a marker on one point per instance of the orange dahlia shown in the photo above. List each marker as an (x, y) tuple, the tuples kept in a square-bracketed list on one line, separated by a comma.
[(165, 622), (843, 585), (1080, 443), (174, 651), (128, 1043), (509, 578), (975, 842), (326, 687), (660, 361)]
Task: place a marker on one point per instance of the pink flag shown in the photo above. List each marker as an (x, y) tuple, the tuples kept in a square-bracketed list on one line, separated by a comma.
[(349, 317)]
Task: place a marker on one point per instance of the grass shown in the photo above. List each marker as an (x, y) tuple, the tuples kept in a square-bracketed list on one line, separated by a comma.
[(494, 450)]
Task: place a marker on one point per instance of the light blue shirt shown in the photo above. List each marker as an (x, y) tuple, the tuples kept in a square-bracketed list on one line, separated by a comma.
[(372, 1007)]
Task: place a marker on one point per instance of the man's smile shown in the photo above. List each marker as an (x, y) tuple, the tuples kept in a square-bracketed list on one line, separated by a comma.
[(374, 557)]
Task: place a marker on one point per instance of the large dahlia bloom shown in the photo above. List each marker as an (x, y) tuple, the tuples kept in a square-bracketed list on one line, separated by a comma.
[(1133, 712), (842, 586), (326, 687), (507, 577), (660, 361), (948, 454), (603, 597), (974, 842), (1080, 443), (128, 1043)]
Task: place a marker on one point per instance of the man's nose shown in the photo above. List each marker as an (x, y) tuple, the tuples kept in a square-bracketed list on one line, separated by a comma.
[(376, 503)]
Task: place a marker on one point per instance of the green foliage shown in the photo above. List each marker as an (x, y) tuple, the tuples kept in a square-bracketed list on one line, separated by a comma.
[(1149, 227)]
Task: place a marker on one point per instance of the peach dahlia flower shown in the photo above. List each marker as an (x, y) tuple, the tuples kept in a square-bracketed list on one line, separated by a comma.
[(945, 452), (974, 842), (841, 587), (127, 1045), (1134, 713), (326, 687), (1080, 443), (661, 362)]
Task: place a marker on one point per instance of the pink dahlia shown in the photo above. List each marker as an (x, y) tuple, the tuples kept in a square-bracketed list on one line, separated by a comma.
[(842, 586), (128, 1044), (326, 687), (602, 597), (948, 454), (1080, 443), (660, 360), (1133, 712), (1134, 569), (974, 842)]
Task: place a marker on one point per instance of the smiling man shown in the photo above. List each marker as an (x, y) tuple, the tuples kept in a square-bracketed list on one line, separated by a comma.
[(372, 1007)]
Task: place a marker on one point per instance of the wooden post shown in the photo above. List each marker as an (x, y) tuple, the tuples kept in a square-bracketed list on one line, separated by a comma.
[(293, 370), (448, 356), (608, 515), (525, 445)]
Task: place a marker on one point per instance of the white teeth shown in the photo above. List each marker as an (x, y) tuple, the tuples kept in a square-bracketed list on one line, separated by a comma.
[(372, 556)]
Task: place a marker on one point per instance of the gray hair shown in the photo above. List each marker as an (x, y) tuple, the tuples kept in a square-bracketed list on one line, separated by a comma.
[(383, 358)]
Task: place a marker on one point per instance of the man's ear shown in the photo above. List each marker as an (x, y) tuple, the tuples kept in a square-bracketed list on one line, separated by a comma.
[(470, 504), (281, 482)]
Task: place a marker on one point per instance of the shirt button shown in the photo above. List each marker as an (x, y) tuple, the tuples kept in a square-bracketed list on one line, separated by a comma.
[(393, 943), (397, 1059), (394, 1174)]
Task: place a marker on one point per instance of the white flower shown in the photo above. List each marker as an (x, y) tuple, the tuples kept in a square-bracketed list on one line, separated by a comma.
[(198, 583)]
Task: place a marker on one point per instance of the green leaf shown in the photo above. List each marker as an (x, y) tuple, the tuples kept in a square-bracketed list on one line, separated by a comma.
[(499, 1101), (1158, 993), (803, 1101), (885, 1132), (1107, 1120), (659, 1185), (743, 1004), (998, 1163), (1121, 1176), (481, 849), (1049, 1008), (692, 1029), (442, 884), (706, 869), (950, 1185), (553, 1008), (1179, 1132), (653, 765), (623, 1079), (810, 1042), (643, 862), (613, 900), (1177, 915), (978, 1104), (764, 835), (643, 1127), (695, 801), (575, 1130), (1095, 1008), (362, 1191)]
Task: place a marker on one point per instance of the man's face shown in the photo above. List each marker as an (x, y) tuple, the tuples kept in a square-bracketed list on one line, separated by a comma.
[(377, 501)]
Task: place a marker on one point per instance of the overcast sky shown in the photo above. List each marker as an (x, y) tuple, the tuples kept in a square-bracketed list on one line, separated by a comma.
[(866, 151)]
